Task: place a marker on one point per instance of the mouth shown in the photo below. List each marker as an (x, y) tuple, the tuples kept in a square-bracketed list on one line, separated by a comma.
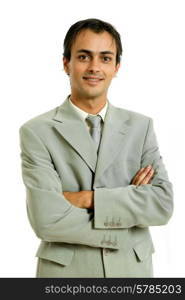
[(92, 80)]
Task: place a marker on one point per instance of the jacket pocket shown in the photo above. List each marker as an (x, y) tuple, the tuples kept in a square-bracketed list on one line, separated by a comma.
[(58, 252), (144, 249)]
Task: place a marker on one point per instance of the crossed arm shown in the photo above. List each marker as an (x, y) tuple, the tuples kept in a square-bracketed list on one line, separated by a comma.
[(85, 199), (58, 216)]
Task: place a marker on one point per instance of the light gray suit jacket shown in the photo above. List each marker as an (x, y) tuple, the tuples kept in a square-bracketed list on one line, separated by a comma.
[(58, 154)]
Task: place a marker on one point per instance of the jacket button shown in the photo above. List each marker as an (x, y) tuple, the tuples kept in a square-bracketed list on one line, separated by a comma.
[(118, 224), (109, 242), (112, 224)]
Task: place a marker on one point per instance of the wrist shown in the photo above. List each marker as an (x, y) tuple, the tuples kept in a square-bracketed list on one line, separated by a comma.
[(89, 203)]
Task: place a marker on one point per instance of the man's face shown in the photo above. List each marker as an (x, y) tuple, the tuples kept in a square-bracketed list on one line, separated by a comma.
[(92, 65)]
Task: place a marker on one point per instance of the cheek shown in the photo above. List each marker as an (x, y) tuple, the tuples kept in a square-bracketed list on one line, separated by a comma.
[(77, 73), (109, 77), (76, 76), (77, 68), (110, 72)]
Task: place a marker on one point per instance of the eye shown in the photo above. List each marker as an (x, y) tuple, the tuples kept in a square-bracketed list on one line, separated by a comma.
[(83, 57), (107, 58)]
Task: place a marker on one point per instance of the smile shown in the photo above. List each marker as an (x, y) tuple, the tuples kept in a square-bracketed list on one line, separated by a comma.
[(93, 80)]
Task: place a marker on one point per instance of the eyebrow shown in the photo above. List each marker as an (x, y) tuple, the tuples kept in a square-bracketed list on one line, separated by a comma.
[(90, 52)]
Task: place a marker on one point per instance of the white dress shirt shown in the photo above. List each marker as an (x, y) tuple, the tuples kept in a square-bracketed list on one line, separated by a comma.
[(83, 114)]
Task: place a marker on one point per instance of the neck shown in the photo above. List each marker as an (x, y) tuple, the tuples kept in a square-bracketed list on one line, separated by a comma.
[(91, 106)]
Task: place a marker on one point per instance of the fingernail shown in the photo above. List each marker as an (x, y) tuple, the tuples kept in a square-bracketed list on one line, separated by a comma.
[(149, 167)]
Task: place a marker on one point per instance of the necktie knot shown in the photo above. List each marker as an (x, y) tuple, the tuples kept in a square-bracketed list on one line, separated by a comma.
[(94, 120)]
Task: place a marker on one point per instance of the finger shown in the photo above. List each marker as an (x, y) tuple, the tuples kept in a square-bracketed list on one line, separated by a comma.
[(142, 172), (140, 178), (145, 180), (151, 178), (137, 175), (148, 177)]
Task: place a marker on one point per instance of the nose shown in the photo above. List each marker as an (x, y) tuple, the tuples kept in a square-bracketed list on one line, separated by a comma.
[(94, 65)]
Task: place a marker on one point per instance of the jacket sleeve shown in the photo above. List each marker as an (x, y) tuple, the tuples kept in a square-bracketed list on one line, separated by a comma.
[(51, 216), (143, 205)]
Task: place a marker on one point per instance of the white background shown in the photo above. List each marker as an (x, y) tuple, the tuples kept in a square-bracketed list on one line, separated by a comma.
[(150, 81)]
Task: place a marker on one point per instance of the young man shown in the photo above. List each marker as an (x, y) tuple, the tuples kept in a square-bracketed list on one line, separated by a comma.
[(94, 177)]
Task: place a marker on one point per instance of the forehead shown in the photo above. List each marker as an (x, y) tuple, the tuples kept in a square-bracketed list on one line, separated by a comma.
[(96, 42)]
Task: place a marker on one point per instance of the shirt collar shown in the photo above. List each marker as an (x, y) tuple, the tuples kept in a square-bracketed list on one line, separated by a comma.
[(83, 114)]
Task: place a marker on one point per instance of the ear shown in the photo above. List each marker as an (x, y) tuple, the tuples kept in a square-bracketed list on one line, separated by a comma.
[(66, 65), (116, 69)]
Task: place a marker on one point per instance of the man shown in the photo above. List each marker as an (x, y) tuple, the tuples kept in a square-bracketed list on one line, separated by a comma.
[(94, 178)]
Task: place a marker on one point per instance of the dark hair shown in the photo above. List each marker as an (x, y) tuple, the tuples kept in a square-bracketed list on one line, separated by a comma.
[(96, 26)]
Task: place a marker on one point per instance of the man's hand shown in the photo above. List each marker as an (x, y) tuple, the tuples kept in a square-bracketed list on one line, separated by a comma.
[(82, 199), (143, 176)]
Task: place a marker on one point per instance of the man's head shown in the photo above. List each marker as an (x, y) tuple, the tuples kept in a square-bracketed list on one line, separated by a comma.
[(92, 54)]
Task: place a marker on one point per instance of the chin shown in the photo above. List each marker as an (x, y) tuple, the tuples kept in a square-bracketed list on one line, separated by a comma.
[(93, 94)]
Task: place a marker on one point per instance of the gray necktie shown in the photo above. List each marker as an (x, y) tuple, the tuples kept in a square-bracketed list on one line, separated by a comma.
[(95, 130)]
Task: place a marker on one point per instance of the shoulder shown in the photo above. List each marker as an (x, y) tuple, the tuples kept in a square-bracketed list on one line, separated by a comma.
[(133, 114), (136, 123), (131, 117), (42, 120)]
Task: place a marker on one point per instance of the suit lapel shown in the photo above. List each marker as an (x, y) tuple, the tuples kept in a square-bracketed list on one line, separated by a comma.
[(113, 138), (74, 131)]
